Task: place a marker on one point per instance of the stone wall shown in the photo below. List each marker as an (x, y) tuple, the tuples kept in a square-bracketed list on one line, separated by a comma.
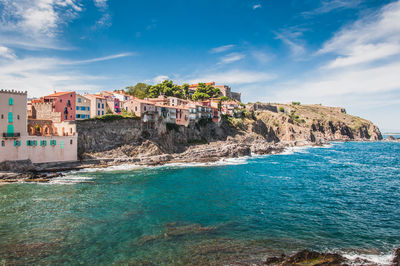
[(44, 111), (98, 135)]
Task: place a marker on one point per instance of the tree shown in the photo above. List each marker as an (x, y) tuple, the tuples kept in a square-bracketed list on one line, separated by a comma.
[(185, 88), (138, 91), (205, 92), (200, 96)]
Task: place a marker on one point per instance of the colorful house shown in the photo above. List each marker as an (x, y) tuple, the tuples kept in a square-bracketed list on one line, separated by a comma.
[(140, 107), (82, 107), (98, 105), (63, 102)]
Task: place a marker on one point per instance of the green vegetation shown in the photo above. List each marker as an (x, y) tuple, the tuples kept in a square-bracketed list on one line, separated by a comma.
[(169, 89), (138, 91), (281, 109), (205, 92), (296, 118), (224, 98), (111, 117), (296, 103)]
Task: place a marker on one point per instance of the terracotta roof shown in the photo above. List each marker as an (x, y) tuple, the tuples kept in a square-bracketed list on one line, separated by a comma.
[(59, 93), (196, 85), (95, 96)]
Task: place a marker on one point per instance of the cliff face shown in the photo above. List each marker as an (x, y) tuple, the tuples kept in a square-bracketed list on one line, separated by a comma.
[(260, 129)]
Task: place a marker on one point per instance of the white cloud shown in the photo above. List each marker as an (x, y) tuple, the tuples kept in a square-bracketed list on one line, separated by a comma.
[(7, 53), (365, 53), (37, 17), (369, 39), (101, 3), (222, 49), (330, 5), (160, 78), (256, 6), (261, 56), (232, 57), (235, 77), (295, 47)]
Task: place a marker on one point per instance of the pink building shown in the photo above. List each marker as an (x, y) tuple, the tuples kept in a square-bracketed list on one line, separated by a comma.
[(182, 115), (63, 102), (139, 107)]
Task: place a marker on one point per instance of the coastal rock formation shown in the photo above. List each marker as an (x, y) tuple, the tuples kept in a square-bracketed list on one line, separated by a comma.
[(307, 257), (258, 129)]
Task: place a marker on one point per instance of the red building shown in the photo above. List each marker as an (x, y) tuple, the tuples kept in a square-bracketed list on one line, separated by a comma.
[(63, 102)]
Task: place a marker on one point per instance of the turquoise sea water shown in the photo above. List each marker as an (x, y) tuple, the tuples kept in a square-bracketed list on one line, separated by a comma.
[(344, 198)]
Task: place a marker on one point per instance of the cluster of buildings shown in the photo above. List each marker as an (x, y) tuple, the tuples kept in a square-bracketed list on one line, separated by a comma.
[(44, 129)]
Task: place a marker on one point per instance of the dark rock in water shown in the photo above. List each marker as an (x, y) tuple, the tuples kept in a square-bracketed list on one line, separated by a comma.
[(307, 257), (396, 259), (391, 138), (274, 260)]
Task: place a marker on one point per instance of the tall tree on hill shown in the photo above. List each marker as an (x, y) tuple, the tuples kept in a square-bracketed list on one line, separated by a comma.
[(204, 92), (138, 91)]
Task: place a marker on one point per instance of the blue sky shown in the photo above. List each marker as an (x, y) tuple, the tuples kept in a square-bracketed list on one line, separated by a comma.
[(335, 52)]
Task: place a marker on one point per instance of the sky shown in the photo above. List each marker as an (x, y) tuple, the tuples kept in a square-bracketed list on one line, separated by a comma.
[(332, 52)]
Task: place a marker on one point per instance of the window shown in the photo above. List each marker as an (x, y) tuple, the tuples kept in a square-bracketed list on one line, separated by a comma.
[(43, 143), (83, 108), (135, 108), (10, 130), (98, 113), (70, 142), (2, 116), (88, 108), (18, 117), (144, 108), (79, 100), (11, 101), (102, 112), (102, 105), (53, 142), (98, 105), (17, 143), (60, 100), (10, 117), (3, 143), (65, 117), (77, 108), (62, 144), (78, 116)]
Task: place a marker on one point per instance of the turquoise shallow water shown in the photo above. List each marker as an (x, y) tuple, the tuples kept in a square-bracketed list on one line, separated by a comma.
[(342, 198)]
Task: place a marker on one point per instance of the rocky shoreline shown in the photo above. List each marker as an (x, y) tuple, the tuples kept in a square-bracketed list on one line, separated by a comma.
[(307, 257), (205, 153)]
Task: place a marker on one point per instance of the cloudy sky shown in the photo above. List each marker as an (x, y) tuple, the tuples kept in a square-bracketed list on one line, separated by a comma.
[(335, 52)]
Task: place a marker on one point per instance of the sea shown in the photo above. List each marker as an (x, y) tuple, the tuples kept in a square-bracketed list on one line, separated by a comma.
[(343, 197)]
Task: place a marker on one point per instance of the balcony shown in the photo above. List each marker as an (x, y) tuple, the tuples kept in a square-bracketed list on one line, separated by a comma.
[(11, 135)]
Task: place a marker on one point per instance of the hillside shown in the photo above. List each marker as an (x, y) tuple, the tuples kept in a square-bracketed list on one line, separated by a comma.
[(259, 129)]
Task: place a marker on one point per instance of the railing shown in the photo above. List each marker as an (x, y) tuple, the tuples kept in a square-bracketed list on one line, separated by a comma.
[(11, 135)]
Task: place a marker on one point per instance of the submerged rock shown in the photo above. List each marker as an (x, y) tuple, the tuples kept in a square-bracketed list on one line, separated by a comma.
[(307, 257)]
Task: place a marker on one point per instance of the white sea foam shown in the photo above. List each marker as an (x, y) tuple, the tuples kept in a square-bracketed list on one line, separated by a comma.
[(380, 259), (70, 180)]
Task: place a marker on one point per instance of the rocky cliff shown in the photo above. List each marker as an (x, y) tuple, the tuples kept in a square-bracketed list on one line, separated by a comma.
[(259, 129)]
